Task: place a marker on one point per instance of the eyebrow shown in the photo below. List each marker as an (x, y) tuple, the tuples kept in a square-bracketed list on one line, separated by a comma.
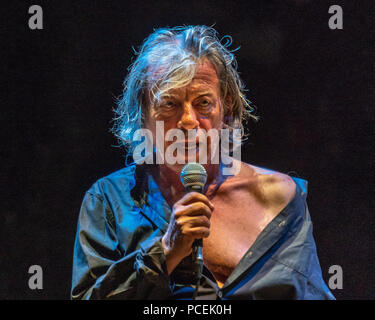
[(203, 93), (176, 96), (206, 94), (201, 88)]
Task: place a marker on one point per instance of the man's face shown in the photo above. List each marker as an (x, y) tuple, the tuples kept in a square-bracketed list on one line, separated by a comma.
[(195, 106)]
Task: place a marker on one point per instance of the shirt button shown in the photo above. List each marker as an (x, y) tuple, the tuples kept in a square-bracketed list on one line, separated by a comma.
[(220, 294)]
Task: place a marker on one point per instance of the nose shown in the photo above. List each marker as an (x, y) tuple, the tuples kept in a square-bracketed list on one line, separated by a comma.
[(189, 119)]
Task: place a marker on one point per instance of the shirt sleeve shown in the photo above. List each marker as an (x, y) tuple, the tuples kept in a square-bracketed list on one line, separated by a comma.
[(101, 269), (290, 269)]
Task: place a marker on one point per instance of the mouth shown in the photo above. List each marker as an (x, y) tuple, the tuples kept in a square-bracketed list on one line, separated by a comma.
[(192, 146), (187, 145)]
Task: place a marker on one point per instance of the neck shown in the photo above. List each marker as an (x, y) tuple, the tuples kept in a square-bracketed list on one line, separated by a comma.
[(168, 179)]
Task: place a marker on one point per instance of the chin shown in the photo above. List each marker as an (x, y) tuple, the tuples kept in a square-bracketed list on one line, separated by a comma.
[(195, 157)]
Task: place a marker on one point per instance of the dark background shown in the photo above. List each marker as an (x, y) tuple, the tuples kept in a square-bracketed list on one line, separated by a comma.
[(313, 88)]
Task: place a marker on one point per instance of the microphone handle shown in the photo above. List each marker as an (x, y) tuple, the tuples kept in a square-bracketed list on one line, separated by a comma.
[(198, 243), (198, 249), (198, 258)]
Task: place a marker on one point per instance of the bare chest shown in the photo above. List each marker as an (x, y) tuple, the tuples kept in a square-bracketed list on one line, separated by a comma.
[(235, 225)]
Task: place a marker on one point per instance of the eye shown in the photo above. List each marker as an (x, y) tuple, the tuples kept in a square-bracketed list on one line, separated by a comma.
[(168, 104), (205, 103)]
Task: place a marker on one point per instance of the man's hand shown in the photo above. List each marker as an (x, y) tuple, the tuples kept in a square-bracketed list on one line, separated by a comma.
[(190, 220)]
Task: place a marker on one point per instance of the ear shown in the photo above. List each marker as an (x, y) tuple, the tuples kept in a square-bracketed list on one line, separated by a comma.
[(229, 106), (228, 113)]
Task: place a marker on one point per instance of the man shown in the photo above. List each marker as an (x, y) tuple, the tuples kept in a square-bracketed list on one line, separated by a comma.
[(137, 226)]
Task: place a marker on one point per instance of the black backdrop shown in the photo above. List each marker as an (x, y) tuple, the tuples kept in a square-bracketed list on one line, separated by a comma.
[(313, 87)]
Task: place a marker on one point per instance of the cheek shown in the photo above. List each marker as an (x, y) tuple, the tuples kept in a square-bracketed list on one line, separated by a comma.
[(169, 118), (157, 117), (213, 121), (206, 123)]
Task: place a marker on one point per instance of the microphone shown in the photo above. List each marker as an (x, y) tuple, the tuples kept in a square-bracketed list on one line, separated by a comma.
[(193, 177)]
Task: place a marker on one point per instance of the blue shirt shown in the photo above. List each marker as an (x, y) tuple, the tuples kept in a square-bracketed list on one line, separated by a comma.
[(118, 252)]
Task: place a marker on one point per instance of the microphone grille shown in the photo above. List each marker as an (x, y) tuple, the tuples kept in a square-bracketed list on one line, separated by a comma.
[(193, 174)]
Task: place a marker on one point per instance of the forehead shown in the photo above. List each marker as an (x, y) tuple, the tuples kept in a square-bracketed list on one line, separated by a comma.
[(205, 78), (206, 72)]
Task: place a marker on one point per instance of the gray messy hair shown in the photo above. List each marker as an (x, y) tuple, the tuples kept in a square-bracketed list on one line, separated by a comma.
[(176, 52)]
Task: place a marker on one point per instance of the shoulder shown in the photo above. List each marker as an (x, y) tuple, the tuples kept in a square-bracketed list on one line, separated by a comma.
[(122, 179), (271, 187)]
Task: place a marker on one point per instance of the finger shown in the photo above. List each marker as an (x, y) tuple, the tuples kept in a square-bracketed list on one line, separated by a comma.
[(195, 197), (197, 232), (193, 222), (194, 209)]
